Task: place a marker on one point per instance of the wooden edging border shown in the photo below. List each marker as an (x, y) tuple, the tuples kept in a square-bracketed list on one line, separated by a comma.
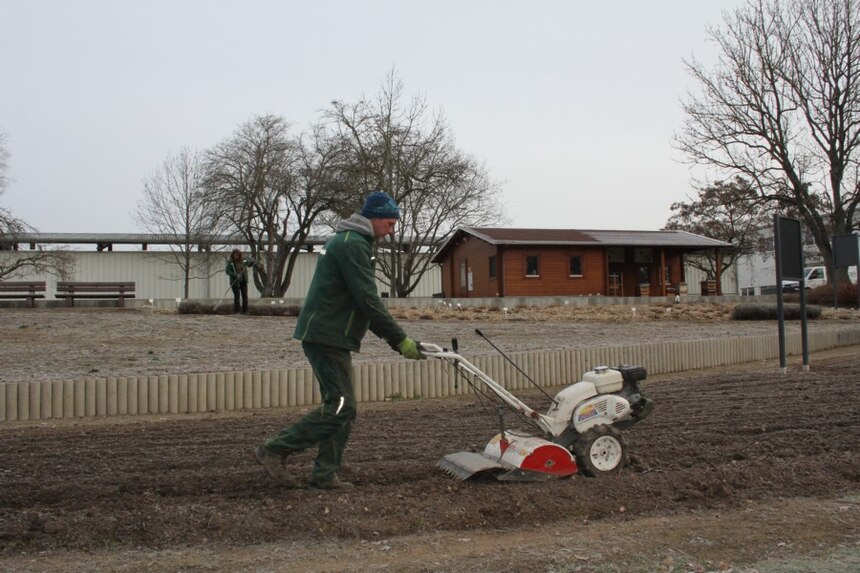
[(262, 389)]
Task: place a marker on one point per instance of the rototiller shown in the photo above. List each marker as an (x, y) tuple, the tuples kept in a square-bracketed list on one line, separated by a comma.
[(581, 430)]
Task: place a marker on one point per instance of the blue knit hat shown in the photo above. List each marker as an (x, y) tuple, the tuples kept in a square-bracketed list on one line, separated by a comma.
[(380, 205)]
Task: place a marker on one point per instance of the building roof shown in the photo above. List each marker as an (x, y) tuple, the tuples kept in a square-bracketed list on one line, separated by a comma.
[(126, 238), (143, 238), (135, 239), (106, 240), (579, 237)]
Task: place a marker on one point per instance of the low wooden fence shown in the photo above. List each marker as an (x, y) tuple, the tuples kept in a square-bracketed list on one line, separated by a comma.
[(253, 390)]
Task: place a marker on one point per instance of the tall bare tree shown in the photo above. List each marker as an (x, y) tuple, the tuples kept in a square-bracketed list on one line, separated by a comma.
[(727, 211), (270, 188), (14, 263), (782, 108), (404, 149), (174, 204), (10, 226), (4, 163)]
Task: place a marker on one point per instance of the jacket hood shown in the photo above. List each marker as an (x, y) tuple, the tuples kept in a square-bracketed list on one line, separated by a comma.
[(358, 224)]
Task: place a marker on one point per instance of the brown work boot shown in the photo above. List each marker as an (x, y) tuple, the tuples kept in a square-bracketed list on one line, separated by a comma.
[(333, 483), (274, 464)]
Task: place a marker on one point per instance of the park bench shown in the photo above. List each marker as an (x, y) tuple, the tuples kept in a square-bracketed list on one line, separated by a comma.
[(23, 289), (118, 290)]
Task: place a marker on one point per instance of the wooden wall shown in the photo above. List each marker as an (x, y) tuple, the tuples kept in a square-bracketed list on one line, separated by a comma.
[(553, 263), (554, 271), (633, 266), (475, 254)]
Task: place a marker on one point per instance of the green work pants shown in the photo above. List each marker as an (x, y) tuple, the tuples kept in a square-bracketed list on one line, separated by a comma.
[(329, 425)]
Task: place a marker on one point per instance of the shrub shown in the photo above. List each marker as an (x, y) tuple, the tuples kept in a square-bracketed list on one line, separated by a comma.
[(198, 307), (767, 311), (823, 295), (274, 309)]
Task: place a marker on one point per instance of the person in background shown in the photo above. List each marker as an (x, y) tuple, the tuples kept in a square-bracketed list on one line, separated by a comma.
[(342, 303), (237, 272)]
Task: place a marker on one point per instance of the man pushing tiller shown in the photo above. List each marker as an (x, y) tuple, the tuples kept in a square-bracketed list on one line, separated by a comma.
[(342, 303)]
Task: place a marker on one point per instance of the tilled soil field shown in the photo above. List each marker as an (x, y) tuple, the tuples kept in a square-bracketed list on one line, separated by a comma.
[(739, 470), (717, 476)]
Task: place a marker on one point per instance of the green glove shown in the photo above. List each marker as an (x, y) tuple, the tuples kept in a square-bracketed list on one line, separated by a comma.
[(409, 349)]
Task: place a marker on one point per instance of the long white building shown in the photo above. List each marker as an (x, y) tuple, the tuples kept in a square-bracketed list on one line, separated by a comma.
[(156, 274), (97, 257)]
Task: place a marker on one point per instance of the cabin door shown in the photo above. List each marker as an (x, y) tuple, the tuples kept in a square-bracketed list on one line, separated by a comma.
[(465, 279), (616, 279)]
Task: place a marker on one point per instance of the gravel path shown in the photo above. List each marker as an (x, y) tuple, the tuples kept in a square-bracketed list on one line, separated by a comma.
[(52, 344)]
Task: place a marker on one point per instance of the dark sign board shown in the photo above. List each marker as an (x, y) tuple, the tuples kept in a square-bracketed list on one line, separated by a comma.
[(790, 248), (845, 251)]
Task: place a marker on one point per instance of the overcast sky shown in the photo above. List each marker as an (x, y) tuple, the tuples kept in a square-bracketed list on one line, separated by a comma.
[(571, 105)]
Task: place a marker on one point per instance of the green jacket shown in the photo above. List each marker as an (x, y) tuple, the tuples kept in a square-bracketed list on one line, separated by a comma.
[(342, 301), (241, 273)]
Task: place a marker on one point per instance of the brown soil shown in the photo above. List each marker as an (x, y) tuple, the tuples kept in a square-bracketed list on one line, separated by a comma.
[(739, 469)]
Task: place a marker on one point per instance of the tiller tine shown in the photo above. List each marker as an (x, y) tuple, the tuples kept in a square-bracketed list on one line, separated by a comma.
[(463, 465), (518, 474)]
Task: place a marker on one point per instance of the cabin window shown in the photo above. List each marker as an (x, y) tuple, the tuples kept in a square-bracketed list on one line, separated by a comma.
[(643, 255), (615, 254), (492, 265), (532, 268), (575, 266)]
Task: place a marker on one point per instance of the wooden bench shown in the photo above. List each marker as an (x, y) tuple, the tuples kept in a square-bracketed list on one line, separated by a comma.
[(70, 291), (23, 289)]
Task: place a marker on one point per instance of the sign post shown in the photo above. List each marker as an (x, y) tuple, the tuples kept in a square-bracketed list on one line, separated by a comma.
[(788, 243)]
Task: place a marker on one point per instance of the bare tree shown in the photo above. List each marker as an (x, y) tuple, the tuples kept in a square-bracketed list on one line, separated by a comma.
[(15, 263), (4, 163), (728, 212), (782, 108), (10, 226), (174, 204), (270, 188), (410, 153)]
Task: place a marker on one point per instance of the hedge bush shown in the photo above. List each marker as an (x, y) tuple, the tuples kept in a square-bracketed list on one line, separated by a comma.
[(277, 309), (767, 311), (823, 295)]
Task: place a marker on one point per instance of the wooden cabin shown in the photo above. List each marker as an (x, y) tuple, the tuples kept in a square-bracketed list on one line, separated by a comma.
[(500, 262)]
